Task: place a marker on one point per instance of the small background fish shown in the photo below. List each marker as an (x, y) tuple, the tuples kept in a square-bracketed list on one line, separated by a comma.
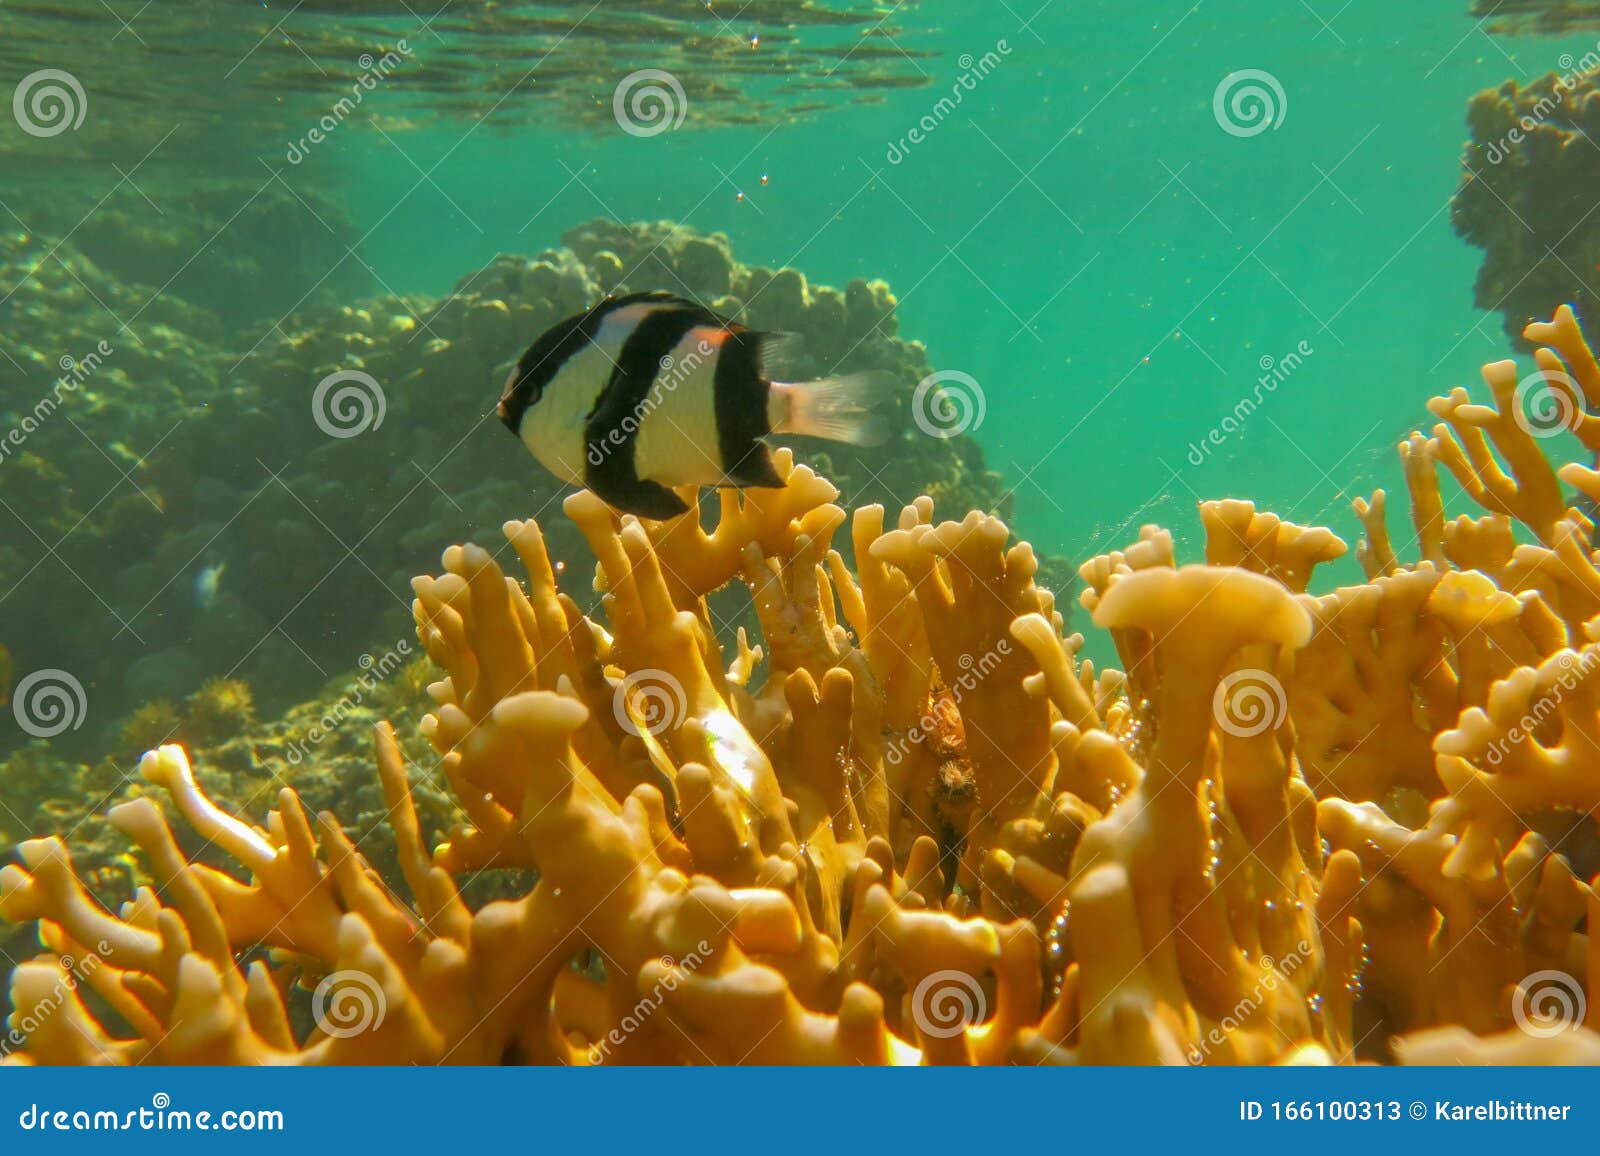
[(206, 584)]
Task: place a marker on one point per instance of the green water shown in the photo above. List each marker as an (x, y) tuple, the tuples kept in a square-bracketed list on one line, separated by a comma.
[(1108, 264), (1081, 238)]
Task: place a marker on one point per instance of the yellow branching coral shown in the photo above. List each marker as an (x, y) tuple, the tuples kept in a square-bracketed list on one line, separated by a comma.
[(912, 825)]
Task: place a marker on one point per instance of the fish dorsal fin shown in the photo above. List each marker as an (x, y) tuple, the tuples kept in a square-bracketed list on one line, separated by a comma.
[(651, 296), (782, 357)]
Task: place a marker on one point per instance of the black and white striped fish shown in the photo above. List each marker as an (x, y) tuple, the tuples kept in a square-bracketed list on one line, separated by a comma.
[(649, 391)]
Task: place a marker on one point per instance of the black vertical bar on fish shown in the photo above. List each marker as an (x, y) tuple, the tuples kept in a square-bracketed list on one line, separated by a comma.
[(611, 433), (740, 394)]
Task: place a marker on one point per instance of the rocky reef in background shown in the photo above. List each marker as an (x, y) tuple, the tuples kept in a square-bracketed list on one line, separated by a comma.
[(912, 825), (217, 520), (1525, 195), (201, 241)]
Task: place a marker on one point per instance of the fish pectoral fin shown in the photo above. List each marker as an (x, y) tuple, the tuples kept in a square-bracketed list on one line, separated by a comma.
[(639, 497)]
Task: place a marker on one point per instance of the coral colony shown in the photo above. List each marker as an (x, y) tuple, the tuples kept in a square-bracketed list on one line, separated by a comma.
[(1291, 828)]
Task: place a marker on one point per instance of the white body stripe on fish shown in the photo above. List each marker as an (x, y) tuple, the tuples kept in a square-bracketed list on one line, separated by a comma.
[(677, 442), (557, 438)]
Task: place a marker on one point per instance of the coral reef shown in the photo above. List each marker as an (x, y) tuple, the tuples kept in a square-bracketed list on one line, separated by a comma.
[(1522, 197), (911, 825), (221, 709), (292, 247), (186, 455)]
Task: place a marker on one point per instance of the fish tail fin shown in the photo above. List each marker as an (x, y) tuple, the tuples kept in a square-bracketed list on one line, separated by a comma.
[(840, 409)]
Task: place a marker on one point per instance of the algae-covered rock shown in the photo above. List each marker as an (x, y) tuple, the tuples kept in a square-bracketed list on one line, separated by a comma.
[(257, 513)]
